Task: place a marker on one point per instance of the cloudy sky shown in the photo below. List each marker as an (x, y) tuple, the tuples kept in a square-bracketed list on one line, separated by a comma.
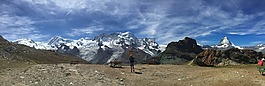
[(207, 21)]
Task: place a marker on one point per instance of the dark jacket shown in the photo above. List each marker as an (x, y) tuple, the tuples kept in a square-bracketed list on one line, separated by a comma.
[(131, 59)]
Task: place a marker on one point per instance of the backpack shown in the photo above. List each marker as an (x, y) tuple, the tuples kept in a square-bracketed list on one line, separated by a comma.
[(260, 63)]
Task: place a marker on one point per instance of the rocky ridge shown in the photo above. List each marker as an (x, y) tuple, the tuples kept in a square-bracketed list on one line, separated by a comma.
[(233, 56)]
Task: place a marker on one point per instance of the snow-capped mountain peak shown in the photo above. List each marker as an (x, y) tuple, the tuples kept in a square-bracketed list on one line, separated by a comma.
[(225, 41), (58, 40), (260, 45), (102, 49), (126, 35), (31, 43), (25, 41)]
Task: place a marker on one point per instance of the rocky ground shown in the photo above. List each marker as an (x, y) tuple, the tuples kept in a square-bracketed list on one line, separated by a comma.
[(152, 75)]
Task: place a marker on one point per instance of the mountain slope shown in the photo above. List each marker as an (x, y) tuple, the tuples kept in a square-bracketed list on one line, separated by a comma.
[(15, 53)]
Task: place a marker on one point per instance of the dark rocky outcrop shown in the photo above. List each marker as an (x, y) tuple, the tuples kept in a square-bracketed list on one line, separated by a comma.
[(3, 41), (180, 52), (232, 56), (187, 45), (66, 50)]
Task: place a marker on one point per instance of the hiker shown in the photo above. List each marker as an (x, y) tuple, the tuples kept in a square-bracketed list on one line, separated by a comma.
[(260, 63), (131, 62)]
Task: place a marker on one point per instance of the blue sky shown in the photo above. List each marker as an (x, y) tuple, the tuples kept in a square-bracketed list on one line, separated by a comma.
[(166, 20)]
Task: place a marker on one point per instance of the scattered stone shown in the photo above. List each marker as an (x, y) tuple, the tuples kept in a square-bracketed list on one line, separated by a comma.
[(121, 79), (242, 76), (67, 74), (71, 83), (121, 83), (74, 70), (22, 77)]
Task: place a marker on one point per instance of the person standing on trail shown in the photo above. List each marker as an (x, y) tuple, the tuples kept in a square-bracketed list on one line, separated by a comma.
[(260, 63), (131, 62)]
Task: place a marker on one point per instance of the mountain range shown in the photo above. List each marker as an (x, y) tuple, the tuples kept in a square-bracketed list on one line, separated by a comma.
[(101, 49), (107, 47), (225, 44), (14, 55)]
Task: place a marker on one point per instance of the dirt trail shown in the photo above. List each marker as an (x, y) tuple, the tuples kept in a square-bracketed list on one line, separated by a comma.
[(152, 75)]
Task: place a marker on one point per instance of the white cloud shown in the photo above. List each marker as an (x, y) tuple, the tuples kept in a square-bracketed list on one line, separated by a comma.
[(207, 19), (8, 21), (204, 42), (84, 31), (113, 7), (15, 27), (167, 21)]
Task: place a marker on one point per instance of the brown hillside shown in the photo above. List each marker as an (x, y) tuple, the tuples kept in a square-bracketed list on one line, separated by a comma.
[(17, 55)]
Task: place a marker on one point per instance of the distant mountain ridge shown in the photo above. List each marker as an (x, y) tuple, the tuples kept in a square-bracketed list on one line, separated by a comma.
[(224, 44), (258, 48), (12, 54), (102, 49)]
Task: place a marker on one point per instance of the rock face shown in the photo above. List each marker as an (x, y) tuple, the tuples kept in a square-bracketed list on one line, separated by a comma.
[(233, 56), (180, 52), (186, 45), (3, 41)]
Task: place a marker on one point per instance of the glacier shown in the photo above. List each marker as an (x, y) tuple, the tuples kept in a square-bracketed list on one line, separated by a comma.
[(103, 48)]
